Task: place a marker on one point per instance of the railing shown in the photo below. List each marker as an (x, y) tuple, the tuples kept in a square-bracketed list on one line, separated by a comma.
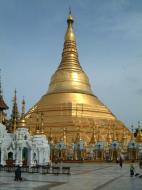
[(39, 169)]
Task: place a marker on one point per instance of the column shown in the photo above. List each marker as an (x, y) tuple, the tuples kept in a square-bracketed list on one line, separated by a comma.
[(2, 157), (21, 156)]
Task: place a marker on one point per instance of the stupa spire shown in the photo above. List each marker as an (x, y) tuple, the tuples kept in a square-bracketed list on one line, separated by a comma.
[(78, 136), (70, 54), (109, 137), (22, 123), (139, 134), (93, 138), (50, 137), (69, 76), (23, 108), (37, 124), (132, 132), (3, 105), (15, 113), (65, 135), (124, 137), (42, 124)]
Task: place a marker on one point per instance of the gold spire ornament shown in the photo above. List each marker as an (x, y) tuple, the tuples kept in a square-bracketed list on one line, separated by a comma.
[(93, 138), (39, 124), (139, 134), (37, 132), (109, 137), (50, 137), (124, 137), (70, 36), (64, 135), (42, 124), (99, 137), (22, 122), (132, 133), (78, 136), (114, 133)]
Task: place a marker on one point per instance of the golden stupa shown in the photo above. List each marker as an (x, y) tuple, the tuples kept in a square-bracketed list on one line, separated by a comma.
[(69, 108)]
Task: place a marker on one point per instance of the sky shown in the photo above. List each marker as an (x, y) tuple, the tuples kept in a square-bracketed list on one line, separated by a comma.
[(109, 42)]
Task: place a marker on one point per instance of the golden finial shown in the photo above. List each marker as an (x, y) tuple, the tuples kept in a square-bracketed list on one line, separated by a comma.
[(22, 123), (39, 126), (93, 138), (109, 137), (98, 133), (70, 36), (37, 123), (70, 18), (124, 138), (114, 133), (42, 124), (139, 134), (50, 137), (78, 136), (14, 125), (64, 135)]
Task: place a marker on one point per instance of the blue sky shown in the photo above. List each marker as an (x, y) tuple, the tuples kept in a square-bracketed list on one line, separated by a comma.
[(109, 41)]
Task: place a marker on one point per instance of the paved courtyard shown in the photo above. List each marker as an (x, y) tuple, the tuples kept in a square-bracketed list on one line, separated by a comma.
[(91, 176)]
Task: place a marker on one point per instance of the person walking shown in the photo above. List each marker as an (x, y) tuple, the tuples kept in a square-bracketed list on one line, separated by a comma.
[(121, 162), (18, 174), (132, 170)]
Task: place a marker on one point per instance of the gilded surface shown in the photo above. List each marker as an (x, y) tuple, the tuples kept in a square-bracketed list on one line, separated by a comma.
[(69, 109)]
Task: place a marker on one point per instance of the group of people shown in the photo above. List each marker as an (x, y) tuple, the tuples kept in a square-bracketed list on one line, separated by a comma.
[(132, 168)]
